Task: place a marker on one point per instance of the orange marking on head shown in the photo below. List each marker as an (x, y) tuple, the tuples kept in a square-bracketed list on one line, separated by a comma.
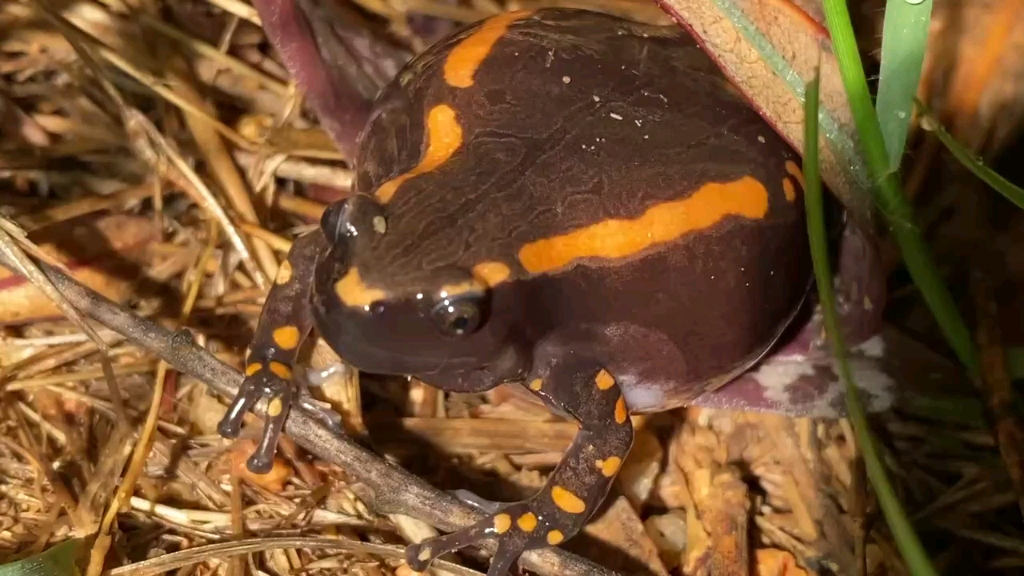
[(287, 337), (788, 189), (567, 501), (604, 380), (527, 522), (284, 273), (443, 135), (491, 273), (253, 368), (464, 60), (796, 173), (610, 466), (281, 370), (555, 537), (536, 384), (620, 410), (353, 292), (502, 522), (619, 238)]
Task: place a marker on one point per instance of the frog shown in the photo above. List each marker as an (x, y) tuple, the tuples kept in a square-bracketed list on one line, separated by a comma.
[(560, 200)]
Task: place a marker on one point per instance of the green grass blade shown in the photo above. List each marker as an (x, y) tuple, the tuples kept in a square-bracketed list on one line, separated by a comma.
[(890, 198), (903, 531), (904, 38), (1015, 362), (987, 175), (58, 560)]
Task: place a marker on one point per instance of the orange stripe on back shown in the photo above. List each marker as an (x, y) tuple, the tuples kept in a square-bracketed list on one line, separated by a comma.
[(619, 238), (443, 135), (464, 60)]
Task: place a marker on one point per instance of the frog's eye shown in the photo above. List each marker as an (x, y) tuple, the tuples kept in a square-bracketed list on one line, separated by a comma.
[(457, 316)]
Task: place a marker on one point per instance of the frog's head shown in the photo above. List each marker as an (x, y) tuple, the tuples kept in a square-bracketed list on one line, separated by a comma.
[(432, 321)]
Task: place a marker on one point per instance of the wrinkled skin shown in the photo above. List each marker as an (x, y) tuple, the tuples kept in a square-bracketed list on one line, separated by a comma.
[(798, 378)]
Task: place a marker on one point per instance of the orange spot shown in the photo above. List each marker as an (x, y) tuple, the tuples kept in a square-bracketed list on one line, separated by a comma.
[(604, 380), (281, 370), (253, 368), (527, 522), (284, 273), (462, 288), (444, 136), (275, 407), (796, 173), (287, 337), (788, 189), (464, 60), (353, 292), (555, 537), (618, 238), (567, 501), (491, 273), (620, 410), (610, 466), (536, 384), (502, 522)]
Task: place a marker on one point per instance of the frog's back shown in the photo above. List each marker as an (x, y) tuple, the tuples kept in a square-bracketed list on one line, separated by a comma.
[(613, 172)]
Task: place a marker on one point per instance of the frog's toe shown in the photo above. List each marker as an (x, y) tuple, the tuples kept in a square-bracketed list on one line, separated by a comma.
[(517, 528), (321, 411), (260, 382), (480, 503)]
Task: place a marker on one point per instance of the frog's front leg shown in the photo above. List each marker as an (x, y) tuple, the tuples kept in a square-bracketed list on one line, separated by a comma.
[(269, 367), (587, 392)]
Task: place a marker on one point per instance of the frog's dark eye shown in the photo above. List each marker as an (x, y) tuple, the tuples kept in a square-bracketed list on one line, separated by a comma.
[(334, 222), (457, 316), (357, 216)]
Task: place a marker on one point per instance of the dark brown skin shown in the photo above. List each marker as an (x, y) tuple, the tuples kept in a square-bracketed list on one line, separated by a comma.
[(592, 212)]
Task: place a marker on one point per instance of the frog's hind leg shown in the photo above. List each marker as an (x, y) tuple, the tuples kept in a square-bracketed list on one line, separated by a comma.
[(577, 486), (284, 323)]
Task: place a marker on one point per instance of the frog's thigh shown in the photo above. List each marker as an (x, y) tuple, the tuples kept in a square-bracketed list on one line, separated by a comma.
[(577, 486)]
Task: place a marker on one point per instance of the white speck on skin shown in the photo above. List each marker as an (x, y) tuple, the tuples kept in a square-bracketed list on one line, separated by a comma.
[(616, 116), (566, 79), (776, 376), (761, 139), (873, 347), (596, 98), (637, 122)]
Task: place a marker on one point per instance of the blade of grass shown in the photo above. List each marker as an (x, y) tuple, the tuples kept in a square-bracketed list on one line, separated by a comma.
[(889, 197), (1015, 362), (904, 38), (987, 175), (57, 560), (903, 531)]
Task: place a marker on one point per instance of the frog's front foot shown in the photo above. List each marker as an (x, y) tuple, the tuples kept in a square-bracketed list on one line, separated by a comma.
[(517, 528), (272, 381)]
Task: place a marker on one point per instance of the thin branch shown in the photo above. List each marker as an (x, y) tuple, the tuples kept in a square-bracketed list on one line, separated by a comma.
[(387, 488)]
